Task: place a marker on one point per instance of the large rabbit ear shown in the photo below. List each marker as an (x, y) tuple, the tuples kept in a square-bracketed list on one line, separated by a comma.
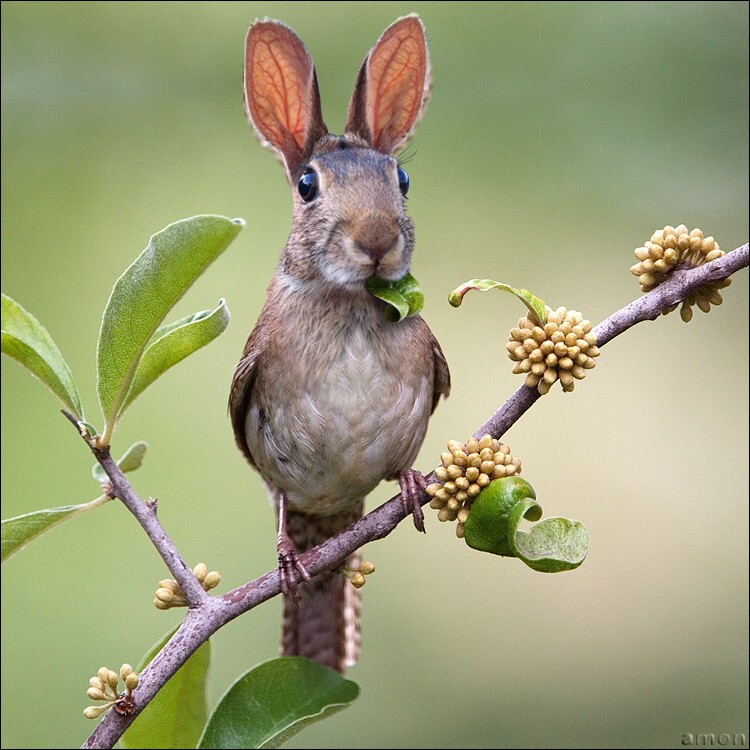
[(281, 92), (392, 87)]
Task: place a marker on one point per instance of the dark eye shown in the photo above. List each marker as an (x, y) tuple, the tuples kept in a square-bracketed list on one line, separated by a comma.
[(403, 181), (308, 185)]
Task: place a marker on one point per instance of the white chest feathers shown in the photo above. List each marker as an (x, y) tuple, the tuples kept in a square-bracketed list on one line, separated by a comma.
[(355, 417)]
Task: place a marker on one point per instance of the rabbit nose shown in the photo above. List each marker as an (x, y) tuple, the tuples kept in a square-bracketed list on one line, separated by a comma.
[(376, 252), (375, 239)]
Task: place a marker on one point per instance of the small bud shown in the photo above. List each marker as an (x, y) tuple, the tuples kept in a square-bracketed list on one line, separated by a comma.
[(472, 473), (95, 694), (366, 568), (455, 472), (357, 580), (94, 712), (131, 682), (200, 571), (487, 467), (164, 595)]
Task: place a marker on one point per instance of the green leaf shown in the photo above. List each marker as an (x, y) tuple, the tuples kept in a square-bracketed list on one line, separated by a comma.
[(552, 546), (488, 527), (143, 296), (130, 461), (17, 532), (176, 716), (534, 304), (26, 340), (274, 701), (173, 342), (404, 297)]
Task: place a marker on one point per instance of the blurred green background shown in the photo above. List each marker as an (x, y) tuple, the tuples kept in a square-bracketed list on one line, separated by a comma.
[(558, 138)]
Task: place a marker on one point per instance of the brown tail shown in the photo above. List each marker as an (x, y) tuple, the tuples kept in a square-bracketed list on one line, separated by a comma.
[(324, 624)]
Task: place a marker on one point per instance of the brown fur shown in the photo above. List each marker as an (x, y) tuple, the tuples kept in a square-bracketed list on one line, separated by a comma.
[(329, 398)]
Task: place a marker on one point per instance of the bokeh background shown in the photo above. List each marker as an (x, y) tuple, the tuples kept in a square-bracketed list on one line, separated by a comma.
[(558, 138)]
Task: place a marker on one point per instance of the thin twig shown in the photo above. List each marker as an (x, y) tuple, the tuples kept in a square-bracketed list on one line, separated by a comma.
[(145, 513), (214, 612)]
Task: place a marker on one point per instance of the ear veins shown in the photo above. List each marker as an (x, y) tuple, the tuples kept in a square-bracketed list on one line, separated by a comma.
[(396, 76), (284, 76)]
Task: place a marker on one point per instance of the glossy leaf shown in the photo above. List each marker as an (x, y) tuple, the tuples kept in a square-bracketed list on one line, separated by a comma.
[(551, 546), (143, 296), (130, 461), (404, 297), (488, 527), (176, 716), (26, 340), (274, 701), (534, 304), (17, 532), (173, 342)]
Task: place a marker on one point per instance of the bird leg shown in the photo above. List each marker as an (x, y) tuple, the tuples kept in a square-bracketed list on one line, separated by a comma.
[(413, 486), (291, 570)]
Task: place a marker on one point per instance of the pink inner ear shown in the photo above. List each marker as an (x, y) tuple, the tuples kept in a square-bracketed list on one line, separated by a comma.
[(278, 77), (396, 72)]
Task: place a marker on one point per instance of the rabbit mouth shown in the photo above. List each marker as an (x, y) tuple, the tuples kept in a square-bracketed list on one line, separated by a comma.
[(347, 261)]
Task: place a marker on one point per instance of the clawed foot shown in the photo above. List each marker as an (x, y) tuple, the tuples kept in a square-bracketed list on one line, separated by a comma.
[(413, 486), (291, 571)]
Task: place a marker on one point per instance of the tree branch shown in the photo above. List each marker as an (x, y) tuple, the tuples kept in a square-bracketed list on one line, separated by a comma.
[(211, 613), (145, 513)]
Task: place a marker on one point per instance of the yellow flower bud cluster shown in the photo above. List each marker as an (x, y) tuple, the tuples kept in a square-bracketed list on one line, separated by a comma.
[(673, 246), (563, 349), (103, 687), (356, 576), (169, 594), (466, 470)]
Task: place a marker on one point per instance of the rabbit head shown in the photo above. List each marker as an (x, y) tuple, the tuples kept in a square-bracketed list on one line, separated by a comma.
[(349, 192)]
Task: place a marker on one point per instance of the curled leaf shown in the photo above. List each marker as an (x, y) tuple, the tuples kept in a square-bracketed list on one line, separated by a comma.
[(551, 546), (488, 526), (533, 303), (26, 340), (404, 297)]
